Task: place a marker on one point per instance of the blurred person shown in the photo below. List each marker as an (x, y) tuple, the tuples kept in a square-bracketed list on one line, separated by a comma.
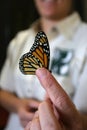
[(21, 94), (57, 113)]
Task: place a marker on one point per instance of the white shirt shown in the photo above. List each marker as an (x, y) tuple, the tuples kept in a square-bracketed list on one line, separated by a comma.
[(68, 45)]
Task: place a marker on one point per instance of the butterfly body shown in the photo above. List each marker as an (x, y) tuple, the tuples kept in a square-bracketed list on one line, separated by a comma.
[(38, 56)]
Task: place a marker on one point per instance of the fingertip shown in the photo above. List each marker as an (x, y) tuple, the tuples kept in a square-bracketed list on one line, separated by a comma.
[(36, 115), (41, 72), (44, 76), (35, 125), (28, 126)]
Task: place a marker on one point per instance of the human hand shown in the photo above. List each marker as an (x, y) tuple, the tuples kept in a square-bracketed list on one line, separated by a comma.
[(68, 117), (26, 110), (44, 118)]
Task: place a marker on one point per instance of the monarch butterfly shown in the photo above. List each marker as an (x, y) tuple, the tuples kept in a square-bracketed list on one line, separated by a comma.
[(38, 56)]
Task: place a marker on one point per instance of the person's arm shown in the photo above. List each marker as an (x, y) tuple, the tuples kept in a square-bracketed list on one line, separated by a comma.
[(84, 118), (9, 101), (68, 115), (25, 108)]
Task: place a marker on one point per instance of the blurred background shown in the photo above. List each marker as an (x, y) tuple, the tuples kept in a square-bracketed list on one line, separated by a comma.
[(17, 15)]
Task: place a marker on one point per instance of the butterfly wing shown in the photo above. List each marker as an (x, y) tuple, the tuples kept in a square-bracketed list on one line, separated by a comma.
[(38, 56), (28, 64)]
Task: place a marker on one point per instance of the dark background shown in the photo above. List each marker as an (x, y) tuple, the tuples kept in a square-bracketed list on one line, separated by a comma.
[(17, 15)]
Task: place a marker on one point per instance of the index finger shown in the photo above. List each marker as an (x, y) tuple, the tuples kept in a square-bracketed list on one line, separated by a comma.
[(56, 93), (53, 88)]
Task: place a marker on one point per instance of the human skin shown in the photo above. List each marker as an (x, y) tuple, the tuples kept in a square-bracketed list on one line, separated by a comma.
[(25, 108), (53, 11), (67, 117)]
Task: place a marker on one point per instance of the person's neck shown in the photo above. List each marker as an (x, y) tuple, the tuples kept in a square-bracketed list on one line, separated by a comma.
[(47, 24)]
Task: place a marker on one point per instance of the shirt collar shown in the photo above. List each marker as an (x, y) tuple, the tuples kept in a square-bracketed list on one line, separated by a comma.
[(67, 27)]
